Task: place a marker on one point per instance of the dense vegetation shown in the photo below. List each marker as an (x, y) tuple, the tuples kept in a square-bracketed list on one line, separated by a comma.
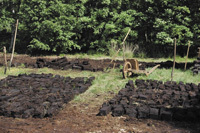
[(61, 26)]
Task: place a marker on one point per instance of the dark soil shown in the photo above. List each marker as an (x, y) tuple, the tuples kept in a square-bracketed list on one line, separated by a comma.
[(156, 100), (38, 95), (78, 117), (166, 64), (196, 67), (79, 64), (83, 64)]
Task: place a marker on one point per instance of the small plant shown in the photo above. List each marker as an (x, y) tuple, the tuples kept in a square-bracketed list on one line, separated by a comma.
[(120, 67), (62, 55), (129, 50), (22, 65), (142, 55), (73, 86), (113, 48), (41, 88), (85, 80)]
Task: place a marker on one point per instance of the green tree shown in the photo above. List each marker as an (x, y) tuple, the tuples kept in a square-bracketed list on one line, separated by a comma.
[(50, 25), (60, 26)]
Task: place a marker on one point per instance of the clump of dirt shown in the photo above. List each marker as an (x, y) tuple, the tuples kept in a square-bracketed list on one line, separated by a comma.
[(156, 100), (38, 95)]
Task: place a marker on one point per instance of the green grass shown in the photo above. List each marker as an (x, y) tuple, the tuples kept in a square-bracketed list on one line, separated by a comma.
[(178, 59), (107, 83), (120, 57), (179, 75), (13, 71)]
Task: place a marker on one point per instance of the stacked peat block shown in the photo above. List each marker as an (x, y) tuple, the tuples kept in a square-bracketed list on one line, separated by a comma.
[(196, 68), (156, 100), (38, 95), (80, 64), (166, 64)]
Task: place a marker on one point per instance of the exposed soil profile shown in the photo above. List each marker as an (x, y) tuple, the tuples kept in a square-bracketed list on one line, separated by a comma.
[(38, 95)]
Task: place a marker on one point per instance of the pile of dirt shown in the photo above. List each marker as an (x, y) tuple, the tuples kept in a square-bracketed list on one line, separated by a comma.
[(38, 95), (196, 68), (156, 100)]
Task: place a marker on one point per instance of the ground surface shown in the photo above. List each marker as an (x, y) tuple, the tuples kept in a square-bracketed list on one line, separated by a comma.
[(81, 117)]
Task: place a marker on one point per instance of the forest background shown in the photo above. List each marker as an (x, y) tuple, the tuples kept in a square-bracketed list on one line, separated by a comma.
[(94, 26)]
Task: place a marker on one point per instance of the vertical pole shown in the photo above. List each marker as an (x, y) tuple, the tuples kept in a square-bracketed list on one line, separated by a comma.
[(199, 52), (187, 55), (124, 44), (174, 60), (12, 38), (123, 52), (13, 49), (5, 59)]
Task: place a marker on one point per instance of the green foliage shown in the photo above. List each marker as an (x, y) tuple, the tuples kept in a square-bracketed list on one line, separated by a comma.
[(58, 26), (38, 45)]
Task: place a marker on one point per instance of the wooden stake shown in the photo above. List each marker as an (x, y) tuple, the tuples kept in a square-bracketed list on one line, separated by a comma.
[(187, 55), (124, 44), (13, 49), (115, 55), (5, 60), (174, 60), (114, 65)]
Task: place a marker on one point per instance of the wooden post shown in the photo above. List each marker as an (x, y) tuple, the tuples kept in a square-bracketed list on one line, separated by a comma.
[(199, 52), (124, 44), (5, 60), (187, 55), (13, 49), (115, 55), (174, 60), (12, 38)]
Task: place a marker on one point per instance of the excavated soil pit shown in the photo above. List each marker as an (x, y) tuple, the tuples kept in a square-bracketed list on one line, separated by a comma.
[(38, 95), (156, 100)]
